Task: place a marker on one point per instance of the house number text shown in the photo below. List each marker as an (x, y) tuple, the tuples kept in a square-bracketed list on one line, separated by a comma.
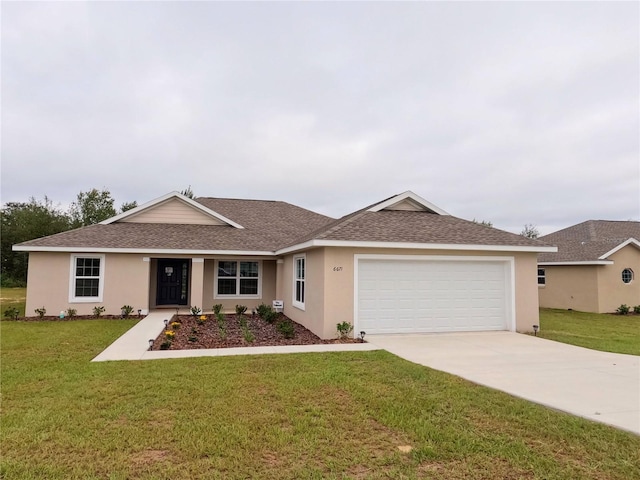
[(337, 269)]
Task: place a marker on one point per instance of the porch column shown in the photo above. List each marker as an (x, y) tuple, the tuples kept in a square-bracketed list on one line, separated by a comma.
[(279, 279), (197, 282)]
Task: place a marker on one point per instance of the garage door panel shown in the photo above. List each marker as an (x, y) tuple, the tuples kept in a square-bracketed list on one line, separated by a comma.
[(396, 296)]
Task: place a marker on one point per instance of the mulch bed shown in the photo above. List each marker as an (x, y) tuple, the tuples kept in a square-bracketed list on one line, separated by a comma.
[(208, 334)]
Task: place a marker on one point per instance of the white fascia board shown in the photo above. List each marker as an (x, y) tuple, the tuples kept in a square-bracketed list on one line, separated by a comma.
[(417, 246), (631, 241), (589, 262), (145, 251), (187, 200), (408, 194)]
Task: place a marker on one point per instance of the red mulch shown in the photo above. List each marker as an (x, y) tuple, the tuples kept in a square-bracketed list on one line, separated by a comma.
[(191, 335)]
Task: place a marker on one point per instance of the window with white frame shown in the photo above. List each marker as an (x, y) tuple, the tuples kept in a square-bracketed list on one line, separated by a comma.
[(87, 278), (236, 278), (627, 275), (542, 278), (299, 279)]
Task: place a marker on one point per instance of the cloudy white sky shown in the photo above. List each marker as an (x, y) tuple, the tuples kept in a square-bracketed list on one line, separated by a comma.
[(509, 112)]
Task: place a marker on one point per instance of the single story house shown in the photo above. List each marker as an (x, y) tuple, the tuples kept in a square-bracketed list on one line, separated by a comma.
[(594, 269), (400, 265)]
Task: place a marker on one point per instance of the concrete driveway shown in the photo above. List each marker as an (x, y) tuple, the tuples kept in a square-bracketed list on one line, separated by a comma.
[(600, 386)]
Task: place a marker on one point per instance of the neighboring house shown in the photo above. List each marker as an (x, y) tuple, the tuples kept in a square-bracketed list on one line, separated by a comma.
[(594, 269), (401, 265)]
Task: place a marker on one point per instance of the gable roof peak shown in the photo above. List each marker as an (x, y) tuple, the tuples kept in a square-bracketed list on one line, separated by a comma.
[(407, 201), (167, 197)]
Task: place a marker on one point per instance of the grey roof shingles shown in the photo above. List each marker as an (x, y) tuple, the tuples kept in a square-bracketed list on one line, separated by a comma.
[(588, 241), (270, 225)]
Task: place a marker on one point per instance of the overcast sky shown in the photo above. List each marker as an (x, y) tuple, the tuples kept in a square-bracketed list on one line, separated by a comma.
[(509, 112)]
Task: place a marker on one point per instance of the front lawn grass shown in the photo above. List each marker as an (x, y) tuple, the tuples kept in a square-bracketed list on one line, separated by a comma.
[(13, 297), (302, 416), (599, 331)]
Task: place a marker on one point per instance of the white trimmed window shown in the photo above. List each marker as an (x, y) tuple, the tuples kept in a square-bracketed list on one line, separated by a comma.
[(542, 278), (238, 278), (86, 279), (299, 280), (627, 275)]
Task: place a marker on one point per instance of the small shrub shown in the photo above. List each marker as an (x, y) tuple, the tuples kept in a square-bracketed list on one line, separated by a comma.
[(201, 319), (223, 333), (262, 309), (217, 308), (344, 329), (623, 309), (97, 311), (286, 328), (175, 325), (240, 310), (249, 337), (71, 312), (195, 310), (270, 315), (636, 309), (12, 312), (220, 319), (126, 311), (169, 334), (166, 345), (193, 338), (41, 312)]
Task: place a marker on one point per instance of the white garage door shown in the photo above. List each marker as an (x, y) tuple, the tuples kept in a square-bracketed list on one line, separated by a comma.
[(432, 295)]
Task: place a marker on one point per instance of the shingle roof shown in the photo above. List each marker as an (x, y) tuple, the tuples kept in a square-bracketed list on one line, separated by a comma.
[(271, 225), (588, 241), (267, 225), (416, 227)]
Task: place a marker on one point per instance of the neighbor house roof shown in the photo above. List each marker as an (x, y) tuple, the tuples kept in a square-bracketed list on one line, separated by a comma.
[(271, 227), (590, 242)]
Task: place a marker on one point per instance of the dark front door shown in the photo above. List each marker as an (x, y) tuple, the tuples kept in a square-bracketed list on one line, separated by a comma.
[(173, 282)]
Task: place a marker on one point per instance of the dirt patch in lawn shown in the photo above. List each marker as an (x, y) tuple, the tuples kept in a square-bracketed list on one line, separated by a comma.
[(206, 331)]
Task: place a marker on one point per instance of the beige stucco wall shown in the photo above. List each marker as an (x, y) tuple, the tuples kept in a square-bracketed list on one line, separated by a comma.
[(330, 286), (570, 287), (130, 279), (312, 317), (126, 282), (612, 291)]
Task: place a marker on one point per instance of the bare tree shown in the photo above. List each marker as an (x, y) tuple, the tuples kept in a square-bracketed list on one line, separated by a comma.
[(530, 231)]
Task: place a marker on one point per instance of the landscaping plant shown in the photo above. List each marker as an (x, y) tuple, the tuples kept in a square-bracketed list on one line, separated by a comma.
[(286, 328), (217, 308), (97, 311), (344, 329), (195, 310), (41, 312), (12, 312), (71, 312), (636, 309), (126, 311), (623, 309)]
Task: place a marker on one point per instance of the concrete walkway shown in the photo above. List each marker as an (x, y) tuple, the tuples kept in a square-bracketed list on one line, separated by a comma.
[(600, 386), (134, 345)]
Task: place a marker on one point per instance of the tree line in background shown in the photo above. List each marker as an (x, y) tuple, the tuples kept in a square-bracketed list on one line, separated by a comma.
[(22, 221)]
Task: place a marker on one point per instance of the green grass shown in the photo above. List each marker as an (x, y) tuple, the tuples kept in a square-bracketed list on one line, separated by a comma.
[(599, 331), (304, 416), (13, 297)]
